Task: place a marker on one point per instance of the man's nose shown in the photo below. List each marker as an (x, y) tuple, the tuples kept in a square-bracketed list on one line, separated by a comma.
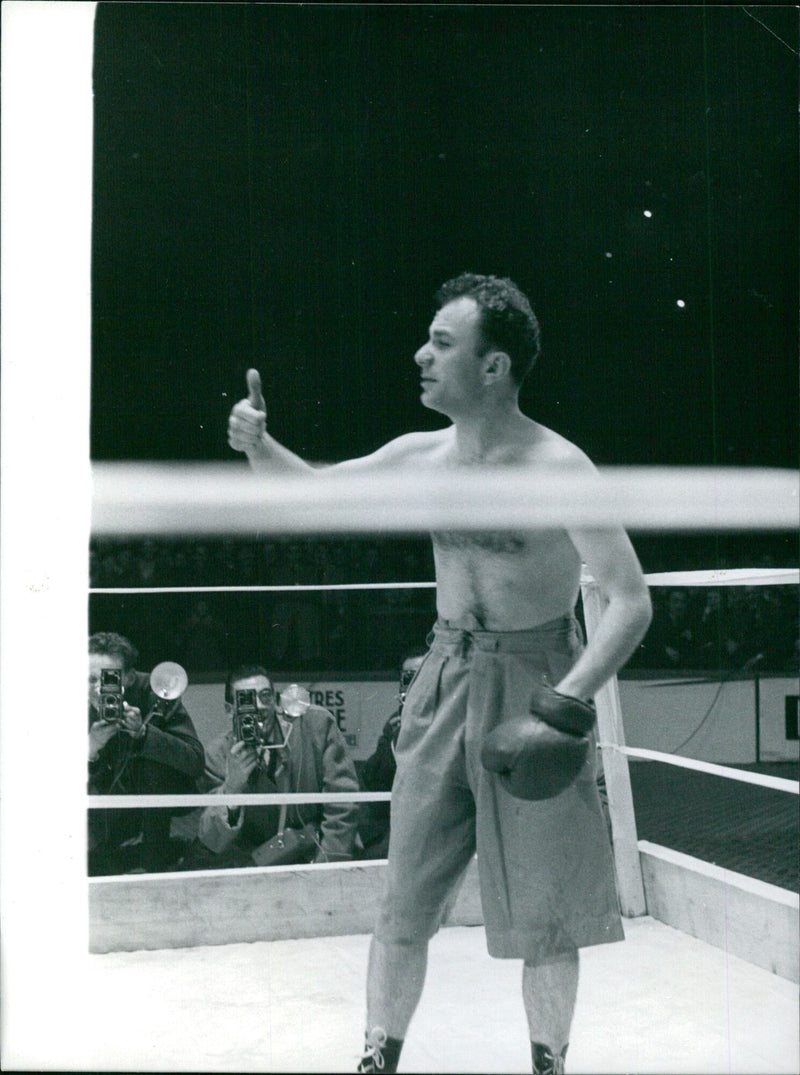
[(422, 356)]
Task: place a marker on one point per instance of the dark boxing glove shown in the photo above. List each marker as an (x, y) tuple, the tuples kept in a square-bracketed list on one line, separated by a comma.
[(540, 755)]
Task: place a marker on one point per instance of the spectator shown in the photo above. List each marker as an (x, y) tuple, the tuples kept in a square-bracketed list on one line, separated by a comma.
[(295, 633), (717, 647), (761, 627), (147, 564), (200, 563), (201, 639), (125, 567), (246, 564), (175, 564), (138, 745), (302, 753), (378, 771), (227, 571), (670, 642), (113, 566), (95, 568)]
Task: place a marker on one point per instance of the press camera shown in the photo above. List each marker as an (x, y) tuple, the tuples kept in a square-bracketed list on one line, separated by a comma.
[(247, 728), (111, 691)]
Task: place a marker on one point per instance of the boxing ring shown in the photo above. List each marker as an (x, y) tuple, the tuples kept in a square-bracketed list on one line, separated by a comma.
[(665, 1001), (324, 912)]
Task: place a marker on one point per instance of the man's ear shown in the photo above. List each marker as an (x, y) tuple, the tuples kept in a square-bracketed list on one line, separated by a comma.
[(496, 366), (229, 709)]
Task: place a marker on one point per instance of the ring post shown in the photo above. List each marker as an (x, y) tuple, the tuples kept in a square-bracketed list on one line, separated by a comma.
[(615, 766)]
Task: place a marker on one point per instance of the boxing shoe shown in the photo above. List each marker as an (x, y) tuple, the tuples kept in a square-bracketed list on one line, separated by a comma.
[(540, 755), (546, 1061), (381, 1053)]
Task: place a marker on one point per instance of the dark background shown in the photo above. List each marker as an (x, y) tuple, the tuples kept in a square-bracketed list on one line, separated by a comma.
[(285, 186)]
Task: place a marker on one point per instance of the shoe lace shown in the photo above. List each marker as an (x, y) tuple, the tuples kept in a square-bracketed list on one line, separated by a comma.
[(546, 1062), (373, 1054)]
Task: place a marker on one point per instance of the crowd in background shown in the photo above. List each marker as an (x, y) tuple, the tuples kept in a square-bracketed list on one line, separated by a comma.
[(209, 622), (737, 628), (143, 741), (259, 561)]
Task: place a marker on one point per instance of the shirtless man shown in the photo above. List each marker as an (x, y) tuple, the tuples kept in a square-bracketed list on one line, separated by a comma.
[(505, 641)]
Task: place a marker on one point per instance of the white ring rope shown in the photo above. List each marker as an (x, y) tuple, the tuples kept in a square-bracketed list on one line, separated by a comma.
[(740, 576), (744, 576), (227, 498), (267, 589), (242, 798), (778, 783)]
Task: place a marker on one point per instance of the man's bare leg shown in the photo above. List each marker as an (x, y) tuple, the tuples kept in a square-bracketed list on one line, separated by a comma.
[(548, 993), (395, 977)]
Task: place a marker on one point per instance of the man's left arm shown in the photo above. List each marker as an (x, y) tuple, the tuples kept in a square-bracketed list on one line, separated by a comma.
[(339, 819), (172, 741), (612, 562)]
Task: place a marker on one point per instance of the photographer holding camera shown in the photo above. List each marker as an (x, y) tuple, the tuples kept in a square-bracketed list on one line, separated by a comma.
[(140, 743), (294, 747)]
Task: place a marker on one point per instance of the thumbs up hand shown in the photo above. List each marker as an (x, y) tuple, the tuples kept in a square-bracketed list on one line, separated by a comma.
[(254, 395), (247, 423)]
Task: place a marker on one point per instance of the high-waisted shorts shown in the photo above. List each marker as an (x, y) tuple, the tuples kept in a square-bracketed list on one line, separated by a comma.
[(545, 867)]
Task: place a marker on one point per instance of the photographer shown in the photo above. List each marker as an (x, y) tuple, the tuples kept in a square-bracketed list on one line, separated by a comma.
[(269, 749), (139, 744), (377, 773)]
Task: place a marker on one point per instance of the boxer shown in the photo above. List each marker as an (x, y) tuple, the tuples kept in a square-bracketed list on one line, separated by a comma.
[(506, 649)]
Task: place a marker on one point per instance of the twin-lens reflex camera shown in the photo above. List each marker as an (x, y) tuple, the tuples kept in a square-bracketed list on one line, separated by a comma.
[(248, 725), (168, 681)]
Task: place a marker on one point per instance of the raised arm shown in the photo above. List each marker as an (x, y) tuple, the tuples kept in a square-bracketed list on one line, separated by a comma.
[(247, 432)]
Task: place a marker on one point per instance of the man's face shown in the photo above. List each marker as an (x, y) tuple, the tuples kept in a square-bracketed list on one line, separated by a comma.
[(450, 361), (265, 696), (408, 670), (678, 603), (97, 662)]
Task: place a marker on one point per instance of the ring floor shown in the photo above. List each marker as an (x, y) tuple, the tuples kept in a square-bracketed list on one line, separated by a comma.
[(660, 1002)]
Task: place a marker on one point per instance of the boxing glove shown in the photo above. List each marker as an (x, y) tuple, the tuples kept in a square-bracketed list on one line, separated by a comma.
[(538, 756)]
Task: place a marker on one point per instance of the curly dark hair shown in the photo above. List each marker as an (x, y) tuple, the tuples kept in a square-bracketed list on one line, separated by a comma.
[(109, 643), (244, 671), (507, 320)]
